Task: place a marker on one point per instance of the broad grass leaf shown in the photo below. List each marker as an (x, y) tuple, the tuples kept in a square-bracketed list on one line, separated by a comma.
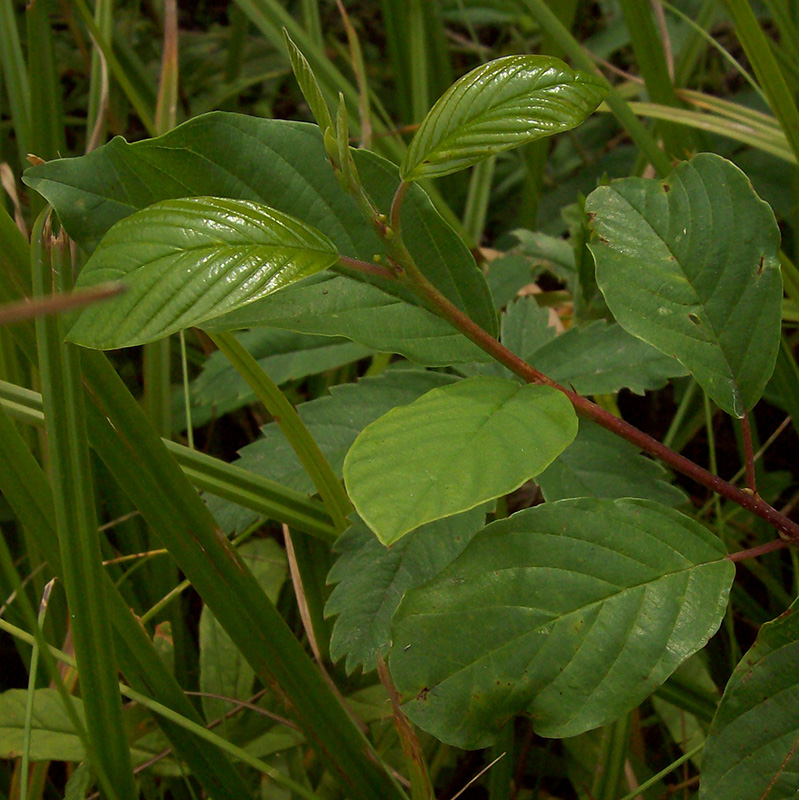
[(498, 106), (223, 669), (340, 306), (690, 265), (573, 611), (752, 750), (599, 464), (453, 449), (371, 580), (334, 422), (185, 261), (278, 163)]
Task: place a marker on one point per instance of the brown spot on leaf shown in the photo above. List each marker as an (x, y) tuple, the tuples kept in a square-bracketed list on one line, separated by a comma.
[(760, 265)]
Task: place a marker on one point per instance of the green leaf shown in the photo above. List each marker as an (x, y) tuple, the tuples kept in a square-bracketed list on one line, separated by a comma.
[(275, 162), (599, 359), (452, 449), (498, 106), (186, 261), (751, 751), (334, 421), (308, 84), (283, 355), (371, 580), (691, 266), (223, 669), (600, 464), (339, 306), (572, 611)]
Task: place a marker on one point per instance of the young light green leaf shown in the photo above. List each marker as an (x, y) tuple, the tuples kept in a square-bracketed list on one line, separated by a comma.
[(751, 751), (498, 106), (371, 580), (572, 611), (453, 449), (691, 266), (308, 84), (187, 261)]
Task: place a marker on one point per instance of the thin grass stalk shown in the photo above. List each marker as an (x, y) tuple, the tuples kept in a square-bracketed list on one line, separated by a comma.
[(655, 779), (134, 95), (416, 79), (76, 518), (47, 114), (266, 497), (572, 48), (133, 453), (758, 50), (15, 75), (312, 21), (237, 32), (610, 766), (28, 492), (176, 720), (500, 776), (98, 92), (478, 198), (311, 457), (651, 60)]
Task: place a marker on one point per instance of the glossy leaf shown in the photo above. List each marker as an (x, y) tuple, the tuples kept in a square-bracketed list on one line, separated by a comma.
[(339, 306), (599, 464), (275, 162), (691, 266), (498, 106), (186, 261), (752, 751), (334, 421), (572, 611), (371, 580), (452, 449)]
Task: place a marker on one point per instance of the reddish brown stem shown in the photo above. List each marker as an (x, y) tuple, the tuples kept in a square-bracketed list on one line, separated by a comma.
[(366, 266), (589, 410), (760, 550)]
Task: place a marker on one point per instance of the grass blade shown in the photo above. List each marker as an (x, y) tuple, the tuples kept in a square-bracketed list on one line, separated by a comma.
[(76, 520), (15, 75)]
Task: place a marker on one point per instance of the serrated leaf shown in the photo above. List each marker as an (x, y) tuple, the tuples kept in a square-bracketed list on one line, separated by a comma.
[(691, 266), (452, 449), (334, 422), (223, 669), (285, 356), (752, 751), (276, 162), (599, 359), (498, 106), (573, 611), (339, 306), (190, 260), (600, 464), (371, 579)]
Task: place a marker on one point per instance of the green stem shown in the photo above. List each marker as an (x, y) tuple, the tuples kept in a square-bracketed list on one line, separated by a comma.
[(311, 457)]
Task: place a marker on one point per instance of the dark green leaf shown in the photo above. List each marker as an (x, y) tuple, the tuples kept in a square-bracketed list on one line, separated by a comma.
[(339, 306), (751, 751), (574, 611), (600, 464), (691, 266), (190, 260), (452, 449), (498, 106), (278, 163), (372, 579)]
